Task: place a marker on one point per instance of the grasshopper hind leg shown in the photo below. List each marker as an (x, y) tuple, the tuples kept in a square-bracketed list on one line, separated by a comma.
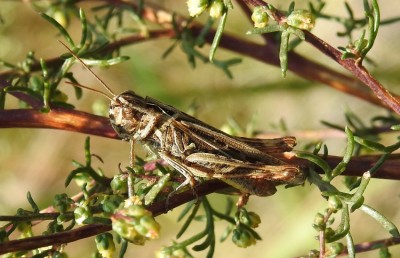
[(190, 179)]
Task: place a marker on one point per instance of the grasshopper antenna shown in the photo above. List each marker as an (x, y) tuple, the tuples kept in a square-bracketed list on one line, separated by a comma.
[(90, 70), (88, 88)]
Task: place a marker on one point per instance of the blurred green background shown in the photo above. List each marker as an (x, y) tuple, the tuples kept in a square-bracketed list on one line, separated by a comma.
[(38, 160)]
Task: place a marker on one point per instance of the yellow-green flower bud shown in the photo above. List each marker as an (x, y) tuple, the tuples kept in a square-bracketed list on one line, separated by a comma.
[(255, 220), (319, 222), (313, 254), (135, 210), (126, 230), (197, 7), (152, 228), (333, 249), (81, 214), (62, 202), (25, 228), (217, 9), (105, 245), (329, 232), (301, 19), (62, 218), (242, 238), (334, 203), (259, 17), (134, 223), (111, 203), (82, 178), (119, 184)]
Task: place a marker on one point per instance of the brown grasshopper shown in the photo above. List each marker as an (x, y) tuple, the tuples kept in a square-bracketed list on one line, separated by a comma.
[(198, 150)]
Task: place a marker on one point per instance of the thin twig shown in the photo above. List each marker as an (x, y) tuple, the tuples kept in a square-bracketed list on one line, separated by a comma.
[(33, 102), (357, 70), (58, 118), (95, 229), (27, 244), (127, 41), (373, 245)]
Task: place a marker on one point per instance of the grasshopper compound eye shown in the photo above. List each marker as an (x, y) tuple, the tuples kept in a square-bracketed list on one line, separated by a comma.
[(126, 112)]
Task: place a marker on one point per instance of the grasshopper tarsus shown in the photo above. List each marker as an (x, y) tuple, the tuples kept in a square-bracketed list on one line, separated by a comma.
[(242, 201), (192, 186)]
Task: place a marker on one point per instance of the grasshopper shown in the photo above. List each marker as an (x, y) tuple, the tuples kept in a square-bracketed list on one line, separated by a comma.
[(198, 150)]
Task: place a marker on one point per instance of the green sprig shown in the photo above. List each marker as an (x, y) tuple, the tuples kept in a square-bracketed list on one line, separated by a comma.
[(385, 223), (218, 36), (87, 168)]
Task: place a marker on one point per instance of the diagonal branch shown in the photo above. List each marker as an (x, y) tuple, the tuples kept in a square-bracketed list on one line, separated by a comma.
[(359, 71)]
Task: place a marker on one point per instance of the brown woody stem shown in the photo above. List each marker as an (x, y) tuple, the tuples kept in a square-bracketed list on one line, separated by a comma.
[(95, 229), (82, 122)]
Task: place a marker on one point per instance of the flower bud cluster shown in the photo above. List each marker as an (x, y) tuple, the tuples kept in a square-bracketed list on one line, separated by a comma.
[(81, 214), (241, 235), (119, 184), (334, 249), (134, 223), (301, 19), (62, 202), (105, 245), (250, 219), (319, 222), (25, 228), (216, 7), (334, 203), (259, 17)]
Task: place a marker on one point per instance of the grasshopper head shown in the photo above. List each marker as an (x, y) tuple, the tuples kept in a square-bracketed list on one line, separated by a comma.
[(126, 111)]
